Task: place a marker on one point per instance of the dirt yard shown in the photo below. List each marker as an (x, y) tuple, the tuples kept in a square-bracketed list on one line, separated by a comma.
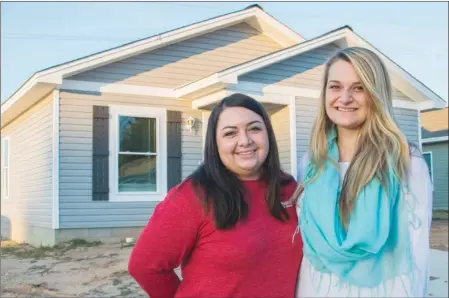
[(82, 269)]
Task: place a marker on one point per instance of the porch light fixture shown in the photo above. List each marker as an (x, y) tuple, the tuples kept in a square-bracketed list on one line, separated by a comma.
[(190, 123)]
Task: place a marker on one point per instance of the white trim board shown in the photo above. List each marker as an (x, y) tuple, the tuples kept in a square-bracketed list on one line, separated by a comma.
[(218, 96), (435, 140), (293, 137), (117, 89), (204, 123), (431, 163), (419, 130), (55, 160)]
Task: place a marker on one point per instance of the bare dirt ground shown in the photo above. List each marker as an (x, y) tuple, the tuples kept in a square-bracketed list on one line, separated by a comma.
[(82, 269), (439, 234)]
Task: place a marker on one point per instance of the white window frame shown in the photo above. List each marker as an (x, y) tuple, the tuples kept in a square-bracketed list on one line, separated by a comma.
[(160, 115), (431, 163), (6, 191)]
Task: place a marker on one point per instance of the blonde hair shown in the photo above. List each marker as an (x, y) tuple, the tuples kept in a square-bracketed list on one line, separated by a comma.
[(381, 145)]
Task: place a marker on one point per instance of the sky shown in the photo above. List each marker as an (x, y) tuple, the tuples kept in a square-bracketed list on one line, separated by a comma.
[(37, 35)]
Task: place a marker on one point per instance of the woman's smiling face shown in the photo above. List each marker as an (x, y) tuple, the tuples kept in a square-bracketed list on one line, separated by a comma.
[(346, 100), (242, 141)]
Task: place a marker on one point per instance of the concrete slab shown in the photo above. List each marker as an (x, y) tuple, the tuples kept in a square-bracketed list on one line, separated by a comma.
[(438, 284)]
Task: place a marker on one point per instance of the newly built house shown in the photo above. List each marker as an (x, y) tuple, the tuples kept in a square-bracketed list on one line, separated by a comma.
[(90, 147)]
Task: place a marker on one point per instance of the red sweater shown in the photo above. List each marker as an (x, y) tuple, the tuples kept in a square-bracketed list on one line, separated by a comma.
[(254, 259)]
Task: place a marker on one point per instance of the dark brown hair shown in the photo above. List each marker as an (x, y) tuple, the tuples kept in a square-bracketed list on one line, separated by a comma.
[(219, 188)]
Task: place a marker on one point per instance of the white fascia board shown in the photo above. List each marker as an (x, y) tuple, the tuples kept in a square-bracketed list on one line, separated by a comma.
[(16, 96), (210, 99), (277, 28), (428, 94), (27, 87), (404, 104), (435, 140), (261, 88), (117, 89), (427, 105), (218, 96), (202, 83)]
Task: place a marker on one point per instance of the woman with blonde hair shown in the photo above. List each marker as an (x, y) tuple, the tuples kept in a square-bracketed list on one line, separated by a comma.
[(365, 202)]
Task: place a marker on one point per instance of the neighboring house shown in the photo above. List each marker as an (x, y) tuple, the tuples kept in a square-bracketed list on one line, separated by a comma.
[(92, 145), (434, 138)]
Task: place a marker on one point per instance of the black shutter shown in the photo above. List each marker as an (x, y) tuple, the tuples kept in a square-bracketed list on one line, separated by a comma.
[(174, 153), (100, 154)]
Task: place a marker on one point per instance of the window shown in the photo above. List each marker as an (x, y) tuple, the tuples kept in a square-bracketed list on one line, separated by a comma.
[(138, 155), (5, 167), (429, 161)]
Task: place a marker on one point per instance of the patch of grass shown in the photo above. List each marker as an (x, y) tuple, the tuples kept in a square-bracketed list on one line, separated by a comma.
[(25, 251)]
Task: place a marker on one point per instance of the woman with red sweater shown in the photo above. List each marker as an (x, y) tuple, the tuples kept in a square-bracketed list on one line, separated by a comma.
[(230, 224)]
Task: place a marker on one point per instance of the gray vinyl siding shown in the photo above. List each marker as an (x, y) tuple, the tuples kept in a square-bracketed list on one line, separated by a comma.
[(440, 173), (30, 200), (77, 210), (281, 126), (303, 71), (409, 123), (186, 61), (307, 109)]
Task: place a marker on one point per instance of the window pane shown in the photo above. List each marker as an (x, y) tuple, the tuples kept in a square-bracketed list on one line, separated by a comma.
[(137, 173), (137, 134), (429, 162)]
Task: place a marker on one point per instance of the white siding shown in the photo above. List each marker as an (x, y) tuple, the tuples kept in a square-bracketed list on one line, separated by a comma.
[(30, 199)]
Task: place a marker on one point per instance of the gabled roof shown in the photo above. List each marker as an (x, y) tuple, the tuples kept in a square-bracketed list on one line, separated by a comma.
[(45, 80), (231, 74), (342, 36), (434, 124)]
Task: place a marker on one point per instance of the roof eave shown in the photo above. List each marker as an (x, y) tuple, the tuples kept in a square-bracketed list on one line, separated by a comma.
[(435, 140), (31, 94)]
